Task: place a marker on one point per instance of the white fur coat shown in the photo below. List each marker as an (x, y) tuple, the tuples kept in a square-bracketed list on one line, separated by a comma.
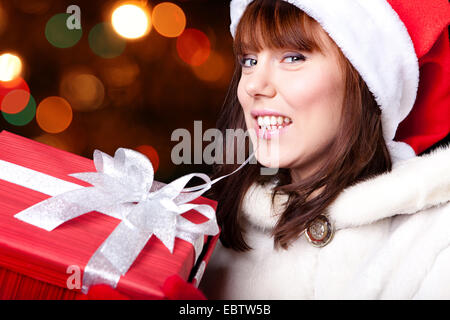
[(392, 241)]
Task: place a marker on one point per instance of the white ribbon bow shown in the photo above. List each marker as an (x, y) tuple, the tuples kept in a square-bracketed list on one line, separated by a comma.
[(121, 188)]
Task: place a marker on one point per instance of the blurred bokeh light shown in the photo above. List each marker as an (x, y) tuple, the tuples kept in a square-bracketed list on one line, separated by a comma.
[(15, 101), (8, 87), (212, 69), (10, 67), (168, 19), (131, 21), (54, 141), (193, 46), (105, 42), (84, 91), (151, 154), (54, 114), (23, 117), (58, 34), (120, 72), (122, 91)]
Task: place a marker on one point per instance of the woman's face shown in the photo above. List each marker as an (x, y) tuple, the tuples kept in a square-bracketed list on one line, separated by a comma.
[(297, 96)]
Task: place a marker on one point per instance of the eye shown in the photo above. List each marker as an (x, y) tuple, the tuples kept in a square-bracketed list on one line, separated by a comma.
[(294, 58), (247, 62)]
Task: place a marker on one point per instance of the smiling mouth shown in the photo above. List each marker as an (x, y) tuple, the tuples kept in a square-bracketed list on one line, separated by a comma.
[(270, 126)]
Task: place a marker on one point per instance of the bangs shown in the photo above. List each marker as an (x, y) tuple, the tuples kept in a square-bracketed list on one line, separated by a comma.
[(276, 25)]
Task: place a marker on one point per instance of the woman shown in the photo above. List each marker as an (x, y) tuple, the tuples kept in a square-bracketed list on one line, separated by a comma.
[(352, 212)]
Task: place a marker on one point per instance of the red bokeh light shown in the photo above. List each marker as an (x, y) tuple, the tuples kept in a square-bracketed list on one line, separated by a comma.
[(193, 47)]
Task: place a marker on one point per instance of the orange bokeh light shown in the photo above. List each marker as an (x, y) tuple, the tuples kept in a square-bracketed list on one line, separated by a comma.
[(168, 19), (151, 154), (120, 72), (84, 91), (54, 114), (193, 47), (212, 70), (55, 141)]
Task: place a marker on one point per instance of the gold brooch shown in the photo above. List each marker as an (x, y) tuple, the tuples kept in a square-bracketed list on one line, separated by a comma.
[(319, 232)]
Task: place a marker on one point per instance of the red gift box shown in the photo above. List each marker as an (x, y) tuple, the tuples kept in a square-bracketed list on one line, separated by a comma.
[(40, 264)]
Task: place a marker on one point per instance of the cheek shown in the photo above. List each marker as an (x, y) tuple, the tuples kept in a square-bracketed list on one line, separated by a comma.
[(316, 98), (313, 89), (245, 102), (242, 95)]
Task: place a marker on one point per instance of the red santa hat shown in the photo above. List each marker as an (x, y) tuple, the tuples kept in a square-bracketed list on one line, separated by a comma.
[(401, 50)]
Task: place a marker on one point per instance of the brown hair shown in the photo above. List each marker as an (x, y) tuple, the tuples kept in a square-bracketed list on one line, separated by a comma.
[(359, 150)]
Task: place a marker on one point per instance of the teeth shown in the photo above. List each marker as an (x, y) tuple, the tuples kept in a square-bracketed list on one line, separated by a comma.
[(260, 121), (280, 120), (273, 122)]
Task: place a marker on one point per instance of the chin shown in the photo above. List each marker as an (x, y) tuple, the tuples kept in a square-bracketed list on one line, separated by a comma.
[(271, 161)]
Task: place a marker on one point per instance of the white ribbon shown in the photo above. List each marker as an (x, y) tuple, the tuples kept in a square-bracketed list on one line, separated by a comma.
[(122, 188)]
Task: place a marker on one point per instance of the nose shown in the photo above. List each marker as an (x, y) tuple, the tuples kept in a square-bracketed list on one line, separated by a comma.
[(259, 83)]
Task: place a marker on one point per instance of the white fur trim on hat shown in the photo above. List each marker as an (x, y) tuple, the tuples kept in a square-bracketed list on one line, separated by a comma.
[(376, 42)]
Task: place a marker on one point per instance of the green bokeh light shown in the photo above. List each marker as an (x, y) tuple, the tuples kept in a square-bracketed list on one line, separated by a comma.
[(105, 42), (58, 34), (23, 117)]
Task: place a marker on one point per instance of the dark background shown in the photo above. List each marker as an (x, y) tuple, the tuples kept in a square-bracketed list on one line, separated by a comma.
[(163, 94)]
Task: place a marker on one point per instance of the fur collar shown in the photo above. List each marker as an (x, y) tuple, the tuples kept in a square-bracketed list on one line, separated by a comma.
[(412, 185)]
